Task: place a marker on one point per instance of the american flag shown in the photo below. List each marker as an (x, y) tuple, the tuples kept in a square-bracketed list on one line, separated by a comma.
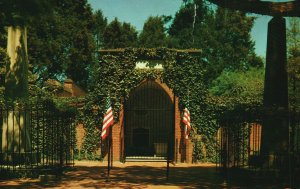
[(108, 120), (187, 122)]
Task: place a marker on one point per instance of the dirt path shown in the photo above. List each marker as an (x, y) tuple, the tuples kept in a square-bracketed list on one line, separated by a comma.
[(139, 175)]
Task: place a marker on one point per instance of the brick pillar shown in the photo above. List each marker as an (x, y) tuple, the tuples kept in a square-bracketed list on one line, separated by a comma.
[(116, 136), (275, 128), (80, 133), (178, 135), (189, 151)]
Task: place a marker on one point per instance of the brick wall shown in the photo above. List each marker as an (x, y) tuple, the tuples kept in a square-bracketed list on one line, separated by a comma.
[(117, 149), (255, 138), (189, 151), (80, 132), (178, 133)]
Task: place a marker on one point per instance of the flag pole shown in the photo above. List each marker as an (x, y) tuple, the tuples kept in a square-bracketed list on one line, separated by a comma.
[(168, 158), (108, 121), (111, 148)]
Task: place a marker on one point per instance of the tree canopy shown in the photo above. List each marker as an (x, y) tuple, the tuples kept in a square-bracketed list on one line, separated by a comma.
[(20, 12), (100, 23), (119, 35), (153, 33), (239, 88), (62, 45), (293, 45), (223, 35)]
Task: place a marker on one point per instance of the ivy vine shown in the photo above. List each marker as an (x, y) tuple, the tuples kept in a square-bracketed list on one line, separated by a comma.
[(115, 76)]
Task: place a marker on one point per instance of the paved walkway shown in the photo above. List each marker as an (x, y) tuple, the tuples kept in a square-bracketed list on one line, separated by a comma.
[(139, 175)]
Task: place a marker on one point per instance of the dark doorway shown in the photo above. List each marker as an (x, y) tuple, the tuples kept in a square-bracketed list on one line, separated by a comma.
[(149, 122), (141, 137)]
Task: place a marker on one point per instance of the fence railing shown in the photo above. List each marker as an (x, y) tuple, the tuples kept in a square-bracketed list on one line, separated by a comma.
[(35, 139), (239, 140)]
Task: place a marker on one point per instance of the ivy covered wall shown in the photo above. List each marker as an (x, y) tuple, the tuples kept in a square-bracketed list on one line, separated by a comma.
[(115, 76)]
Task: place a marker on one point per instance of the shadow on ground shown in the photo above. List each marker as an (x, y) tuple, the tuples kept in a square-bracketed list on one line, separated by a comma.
[(141, 175)]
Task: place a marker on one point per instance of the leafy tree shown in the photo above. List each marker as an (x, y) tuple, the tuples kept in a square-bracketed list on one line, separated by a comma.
[(153, 33), (233, 35), (112, 35), (62, 45), (119, 35), (189, 24), (100, 23), (129, 35), (235, 48), (3, 32), (239, 88), (293, 41), (3, 58), (3, 62), (223, 36)]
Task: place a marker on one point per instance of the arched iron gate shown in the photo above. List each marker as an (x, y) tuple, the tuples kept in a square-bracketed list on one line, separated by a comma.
[(149, 123)]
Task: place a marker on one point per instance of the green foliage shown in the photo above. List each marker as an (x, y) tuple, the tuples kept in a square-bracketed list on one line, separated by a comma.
[(222, 35), (293, 37), (238, 89), (153, 33), (233, 36), (188, 31), (100, 23), (119, 35), (20, 12), (92, 133), (234, 49), (293, 68), (3, 62), (3, 32), (62, 45)]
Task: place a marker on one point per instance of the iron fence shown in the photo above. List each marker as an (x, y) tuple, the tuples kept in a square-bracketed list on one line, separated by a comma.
[(35, 139), (149, 124), (239, 141)]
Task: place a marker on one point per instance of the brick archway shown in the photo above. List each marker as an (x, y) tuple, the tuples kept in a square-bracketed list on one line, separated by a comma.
[(182, 152), (149, 123)]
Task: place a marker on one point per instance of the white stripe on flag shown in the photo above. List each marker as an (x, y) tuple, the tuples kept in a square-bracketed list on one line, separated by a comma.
[(107, 123), (187, 122), (108, 120), (107, 116)]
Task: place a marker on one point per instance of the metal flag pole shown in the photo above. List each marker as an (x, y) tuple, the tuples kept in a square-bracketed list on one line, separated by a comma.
[(111, 147), (107, 129), (168, 158)]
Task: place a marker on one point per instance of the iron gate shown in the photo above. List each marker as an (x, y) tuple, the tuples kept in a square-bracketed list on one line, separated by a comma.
[(239, 141), (35, 139), (149, 123)]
